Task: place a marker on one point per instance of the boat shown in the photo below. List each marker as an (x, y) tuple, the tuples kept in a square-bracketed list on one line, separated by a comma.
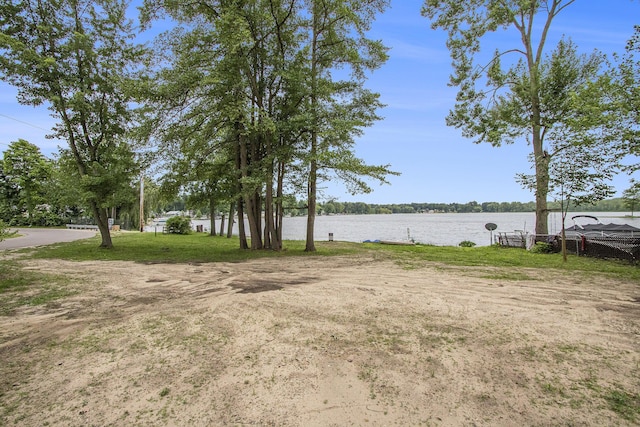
[(599, 229), (391, 242)]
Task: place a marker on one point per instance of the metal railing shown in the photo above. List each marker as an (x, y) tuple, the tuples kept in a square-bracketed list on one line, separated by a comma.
[(607, 247), (625, 248)]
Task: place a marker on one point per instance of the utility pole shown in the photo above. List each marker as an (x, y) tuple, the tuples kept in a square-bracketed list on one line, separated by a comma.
[(141, 203)]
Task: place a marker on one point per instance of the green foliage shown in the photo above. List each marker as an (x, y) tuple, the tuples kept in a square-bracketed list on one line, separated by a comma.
[(623, 112), (333, 206), (4, 231), (178, 225), (631, 196), (542, 248), (580, 164), (520, 94), (466, 244), (77, 58), (27, 187), (265, 112)]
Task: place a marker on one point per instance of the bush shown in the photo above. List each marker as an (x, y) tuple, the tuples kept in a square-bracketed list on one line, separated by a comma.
[(179, 225), (542, 248), (466, 244), (4, 230)]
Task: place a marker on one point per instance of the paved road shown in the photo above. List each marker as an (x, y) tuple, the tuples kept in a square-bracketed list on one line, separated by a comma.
[(31, 237)]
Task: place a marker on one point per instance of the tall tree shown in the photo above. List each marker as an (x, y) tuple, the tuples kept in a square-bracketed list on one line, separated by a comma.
[(513, 105), (243, 79), (29, 170), (623, 91), (76, 56), (337, 39)]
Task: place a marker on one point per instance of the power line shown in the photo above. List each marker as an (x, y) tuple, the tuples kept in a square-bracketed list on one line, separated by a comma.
[(26, 123)]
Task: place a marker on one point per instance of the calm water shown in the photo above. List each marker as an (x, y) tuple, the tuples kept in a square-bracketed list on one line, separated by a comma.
[(436, 229)]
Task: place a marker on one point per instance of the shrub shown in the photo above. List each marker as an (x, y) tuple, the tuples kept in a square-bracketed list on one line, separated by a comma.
[(179, 225), (466, 244), (542, 248), (4, 230)]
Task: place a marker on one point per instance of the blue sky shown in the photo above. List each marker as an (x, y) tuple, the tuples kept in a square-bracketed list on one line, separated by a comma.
[(437, 164)]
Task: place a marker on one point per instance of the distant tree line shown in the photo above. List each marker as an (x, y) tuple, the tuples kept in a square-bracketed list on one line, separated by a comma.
[(360, 208)]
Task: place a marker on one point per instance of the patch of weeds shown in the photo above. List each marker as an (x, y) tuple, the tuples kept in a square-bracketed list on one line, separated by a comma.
[(507, 275), (551, 387), (163, 413), (368, 374), (409, 264), (433, 336), (565, 352), (19, 288), (590, 383), (389, 339), (12, 279), (532, 353), (164, 392), (623, 403), (92, 343)]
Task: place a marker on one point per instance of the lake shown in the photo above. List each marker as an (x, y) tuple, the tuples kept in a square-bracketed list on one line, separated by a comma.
[(442, 229)]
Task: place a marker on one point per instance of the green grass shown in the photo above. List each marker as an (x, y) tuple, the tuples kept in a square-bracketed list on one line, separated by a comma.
[(19, 287), (169, 248), (496, 256), (626, 404), (199, 247)]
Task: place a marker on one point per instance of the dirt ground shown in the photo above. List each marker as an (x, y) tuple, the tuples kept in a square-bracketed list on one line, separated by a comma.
[(316, 341)]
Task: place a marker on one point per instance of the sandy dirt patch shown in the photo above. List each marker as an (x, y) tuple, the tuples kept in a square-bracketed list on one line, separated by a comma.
[(315, 341)]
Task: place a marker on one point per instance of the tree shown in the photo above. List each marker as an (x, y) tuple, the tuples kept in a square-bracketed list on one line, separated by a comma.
[(621, 87), (242, 86), (337, 39), (579, 175), (631, 196), (29, 171), (519, 101), (8, 196), (76, 56)]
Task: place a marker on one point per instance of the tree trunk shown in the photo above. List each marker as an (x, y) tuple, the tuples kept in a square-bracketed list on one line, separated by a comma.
[(100, 216), (313, 165), (251, 202), (541, 159), (564, 241), (212, 214), (270, 240), (311, 202), (241, 231), (542, 190), (254, 216), (279, 208), (230, 225)]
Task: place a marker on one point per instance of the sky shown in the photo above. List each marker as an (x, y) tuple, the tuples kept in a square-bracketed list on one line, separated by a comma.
[(436, 163)]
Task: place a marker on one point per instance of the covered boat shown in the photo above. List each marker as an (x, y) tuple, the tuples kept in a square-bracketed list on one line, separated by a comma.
[(601, 230)]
